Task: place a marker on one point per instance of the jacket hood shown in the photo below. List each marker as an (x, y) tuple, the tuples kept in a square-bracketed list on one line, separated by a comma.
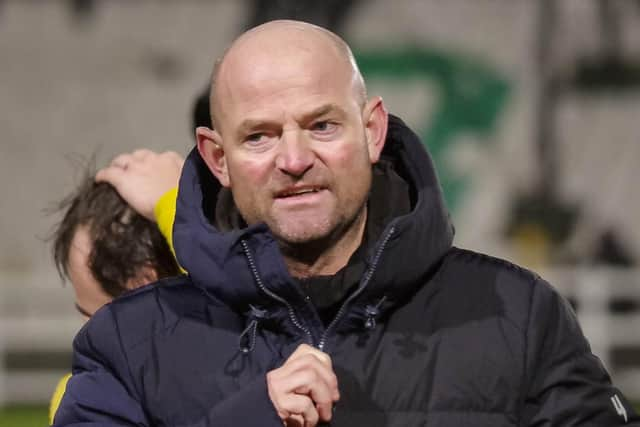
[(244, 266)]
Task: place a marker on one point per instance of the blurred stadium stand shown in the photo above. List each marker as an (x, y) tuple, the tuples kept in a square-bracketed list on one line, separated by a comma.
[(37, 325), (531, 109)]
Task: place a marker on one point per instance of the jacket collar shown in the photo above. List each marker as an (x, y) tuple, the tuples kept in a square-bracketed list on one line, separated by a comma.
[(243, 266)]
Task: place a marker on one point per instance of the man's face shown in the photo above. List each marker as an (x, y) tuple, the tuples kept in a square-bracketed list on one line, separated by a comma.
[(89, 294), (295, 148)]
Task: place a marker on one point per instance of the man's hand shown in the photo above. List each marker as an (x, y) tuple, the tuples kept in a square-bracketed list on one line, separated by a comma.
[(304, 389), (142, 177)]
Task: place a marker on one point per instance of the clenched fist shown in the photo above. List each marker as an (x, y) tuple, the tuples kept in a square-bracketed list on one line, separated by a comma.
[(304, 389)]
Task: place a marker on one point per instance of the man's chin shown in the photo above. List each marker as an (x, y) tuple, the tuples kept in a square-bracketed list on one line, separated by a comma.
[(300, 238), (300, 234)]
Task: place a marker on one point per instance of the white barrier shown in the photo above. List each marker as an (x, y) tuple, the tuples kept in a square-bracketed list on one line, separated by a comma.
[(41, 318), (593, 289), (36, 316)]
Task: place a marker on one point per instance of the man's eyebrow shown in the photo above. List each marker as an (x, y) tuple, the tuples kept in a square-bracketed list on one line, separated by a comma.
[(82, 310), (248, 124), (321, 111)]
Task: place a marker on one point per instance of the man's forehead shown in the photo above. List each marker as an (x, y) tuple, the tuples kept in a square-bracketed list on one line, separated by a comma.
[(280, 46), (280, 83), (268, 64), (263, 62), (273, 102)]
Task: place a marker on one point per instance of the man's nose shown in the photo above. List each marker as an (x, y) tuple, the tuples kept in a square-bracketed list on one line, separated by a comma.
[(295, 156)]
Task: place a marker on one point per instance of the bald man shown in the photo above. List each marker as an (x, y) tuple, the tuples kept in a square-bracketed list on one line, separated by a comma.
[(323, 285)]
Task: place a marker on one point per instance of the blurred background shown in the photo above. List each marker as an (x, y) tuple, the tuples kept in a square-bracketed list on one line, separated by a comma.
[(531, 109)]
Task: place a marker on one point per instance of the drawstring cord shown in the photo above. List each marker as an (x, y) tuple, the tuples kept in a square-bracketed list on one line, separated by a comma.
[(247, 339), (371, 314)]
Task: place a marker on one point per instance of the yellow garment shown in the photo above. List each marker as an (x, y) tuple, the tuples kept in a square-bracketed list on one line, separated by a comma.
[(165, 213), (57, 397)]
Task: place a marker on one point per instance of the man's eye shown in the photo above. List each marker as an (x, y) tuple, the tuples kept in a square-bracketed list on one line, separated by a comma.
[(323, 126), (254, 138)]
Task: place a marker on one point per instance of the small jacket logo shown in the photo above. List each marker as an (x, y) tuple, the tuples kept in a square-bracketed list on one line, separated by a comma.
[(620, 409)]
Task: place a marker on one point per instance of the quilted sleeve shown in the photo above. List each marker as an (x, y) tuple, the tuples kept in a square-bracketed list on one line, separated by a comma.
[(567, 384)]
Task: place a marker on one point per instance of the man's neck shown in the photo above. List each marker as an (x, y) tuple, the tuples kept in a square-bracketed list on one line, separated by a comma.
[(326, 259)]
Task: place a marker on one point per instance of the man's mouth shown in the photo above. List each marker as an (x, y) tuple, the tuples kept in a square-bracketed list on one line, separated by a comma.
[(298, 191)]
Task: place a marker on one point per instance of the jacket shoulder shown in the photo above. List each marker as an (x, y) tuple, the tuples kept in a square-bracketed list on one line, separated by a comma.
[(482, 282), (140, 315), (475, 262), (469, 268)]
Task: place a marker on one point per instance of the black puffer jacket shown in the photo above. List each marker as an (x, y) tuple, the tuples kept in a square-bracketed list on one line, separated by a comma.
[(427, 334)]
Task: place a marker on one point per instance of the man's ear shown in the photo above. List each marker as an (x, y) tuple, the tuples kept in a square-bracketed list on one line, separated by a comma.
[(211, 151), (376, 120)]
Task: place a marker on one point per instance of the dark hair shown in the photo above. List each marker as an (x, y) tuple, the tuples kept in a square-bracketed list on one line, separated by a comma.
[(200, 113), (123, 242)]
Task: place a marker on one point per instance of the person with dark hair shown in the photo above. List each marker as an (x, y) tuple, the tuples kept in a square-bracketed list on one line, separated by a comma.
[(105, 248), (103, 244), (323, 283)]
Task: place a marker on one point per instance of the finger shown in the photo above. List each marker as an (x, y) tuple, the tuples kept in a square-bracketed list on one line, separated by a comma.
[(323, 387), (121, 160), (294, 420), (311, 384), (112, 175), (323, 357), (322, 398), (298, 405), (141, 153), (175, 156), (304, 349), (303, 366)]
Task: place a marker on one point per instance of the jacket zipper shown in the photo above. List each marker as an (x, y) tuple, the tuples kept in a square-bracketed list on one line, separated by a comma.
[(365, 283), (258, 279)]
